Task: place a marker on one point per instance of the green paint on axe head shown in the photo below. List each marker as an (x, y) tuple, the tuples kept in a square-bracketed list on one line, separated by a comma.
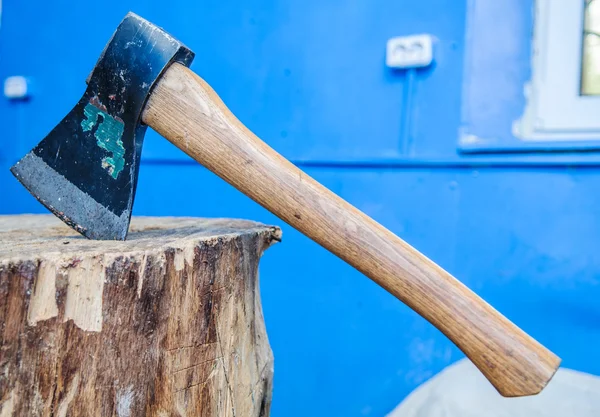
[(108, 132)]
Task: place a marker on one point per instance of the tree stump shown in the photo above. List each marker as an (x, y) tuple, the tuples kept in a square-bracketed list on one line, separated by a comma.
[(167, 323)]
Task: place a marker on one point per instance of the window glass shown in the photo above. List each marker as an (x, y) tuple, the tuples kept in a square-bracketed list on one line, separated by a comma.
[(590, 74)]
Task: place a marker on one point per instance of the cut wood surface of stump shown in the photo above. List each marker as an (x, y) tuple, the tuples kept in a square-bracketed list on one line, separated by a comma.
[(168, 323)]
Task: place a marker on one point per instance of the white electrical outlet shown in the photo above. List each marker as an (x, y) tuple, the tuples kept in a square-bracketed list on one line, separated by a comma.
[(16, 87), (409, 51)]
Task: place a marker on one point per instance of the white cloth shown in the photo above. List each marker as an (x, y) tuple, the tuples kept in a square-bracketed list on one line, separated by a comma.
[(462, 391)]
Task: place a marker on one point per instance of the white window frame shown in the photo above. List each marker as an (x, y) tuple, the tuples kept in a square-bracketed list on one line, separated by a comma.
[(556, 111)]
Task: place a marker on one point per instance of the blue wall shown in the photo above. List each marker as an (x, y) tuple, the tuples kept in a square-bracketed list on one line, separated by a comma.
[(309, 78)]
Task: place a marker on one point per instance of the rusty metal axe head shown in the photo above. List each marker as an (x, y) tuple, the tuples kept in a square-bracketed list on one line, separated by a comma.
[(85, 170)]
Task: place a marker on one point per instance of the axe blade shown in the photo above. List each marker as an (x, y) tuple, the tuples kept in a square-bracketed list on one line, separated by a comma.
[(85, 171)]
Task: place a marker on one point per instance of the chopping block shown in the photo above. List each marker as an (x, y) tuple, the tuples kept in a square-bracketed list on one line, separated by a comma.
[(166, 323)]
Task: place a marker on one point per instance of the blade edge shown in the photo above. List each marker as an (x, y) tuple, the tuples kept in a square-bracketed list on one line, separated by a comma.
[(65, 200)]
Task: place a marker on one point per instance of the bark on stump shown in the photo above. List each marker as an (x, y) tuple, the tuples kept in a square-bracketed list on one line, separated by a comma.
[(167, 323)]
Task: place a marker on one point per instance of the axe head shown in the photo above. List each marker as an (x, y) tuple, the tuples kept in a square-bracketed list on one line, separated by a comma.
[(85, 171)]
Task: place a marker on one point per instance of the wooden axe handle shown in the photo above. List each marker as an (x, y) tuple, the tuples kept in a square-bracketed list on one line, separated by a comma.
[(184, 109)]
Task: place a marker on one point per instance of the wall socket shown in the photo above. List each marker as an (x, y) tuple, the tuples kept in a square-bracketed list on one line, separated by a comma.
[(409, 51), (16, 88)]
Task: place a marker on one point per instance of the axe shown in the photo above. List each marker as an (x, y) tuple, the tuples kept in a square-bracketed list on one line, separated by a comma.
[(85, 172)]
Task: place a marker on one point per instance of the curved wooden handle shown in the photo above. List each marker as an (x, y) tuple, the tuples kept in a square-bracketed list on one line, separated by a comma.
[(184, 109)]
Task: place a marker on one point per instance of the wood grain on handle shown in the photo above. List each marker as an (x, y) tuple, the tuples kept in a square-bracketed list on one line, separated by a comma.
[(185, 110)]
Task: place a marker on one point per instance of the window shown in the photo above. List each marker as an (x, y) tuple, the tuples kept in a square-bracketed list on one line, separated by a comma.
[(590, 65), (558, 105)]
